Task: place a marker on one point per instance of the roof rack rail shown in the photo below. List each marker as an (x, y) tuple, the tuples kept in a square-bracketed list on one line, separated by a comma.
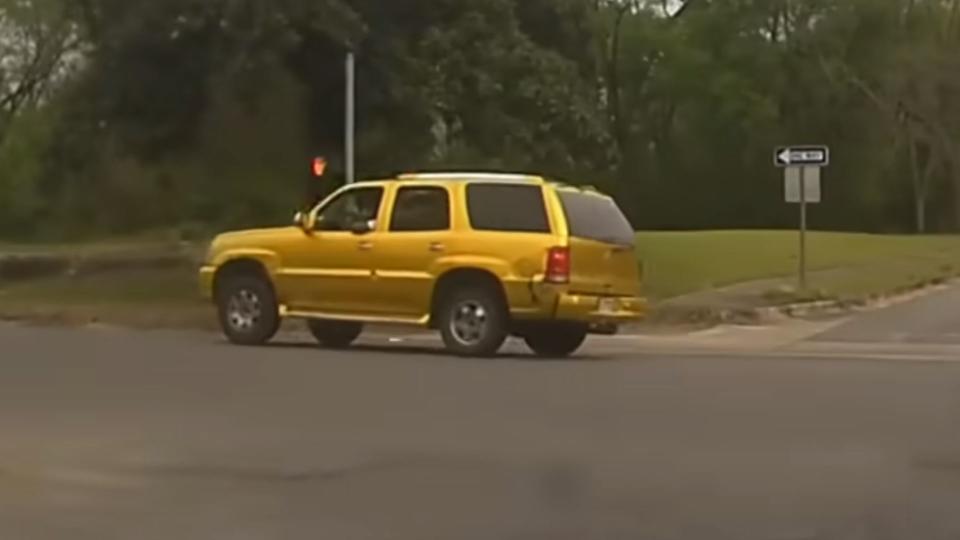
[(476, 176)]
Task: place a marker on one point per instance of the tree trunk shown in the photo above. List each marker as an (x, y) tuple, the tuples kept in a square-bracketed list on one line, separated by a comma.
[(921, 210), (954, 165), (614, 91), (919, 189)]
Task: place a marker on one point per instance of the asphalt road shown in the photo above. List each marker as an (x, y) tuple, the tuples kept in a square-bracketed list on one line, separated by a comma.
[(109, 434), (930, 319)]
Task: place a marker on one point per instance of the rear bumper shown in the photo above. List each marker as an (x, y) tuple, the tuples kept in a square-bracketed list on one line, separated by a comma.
[(587, 308), (538, 301)]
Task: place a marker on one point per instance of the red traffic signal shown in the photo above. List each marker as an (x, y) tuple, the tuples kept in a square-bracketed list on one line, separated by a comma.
[(319, 166)]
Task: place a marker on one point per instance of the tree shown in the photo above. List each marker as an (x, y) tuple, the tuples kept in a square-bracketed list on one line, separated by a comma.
[(913, 87), (38, 47), (672, 105)]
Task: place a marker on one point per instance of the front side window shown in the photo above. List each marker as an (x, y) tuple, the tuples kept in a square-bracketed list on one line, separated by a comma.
[(356, 206), (421, 209)]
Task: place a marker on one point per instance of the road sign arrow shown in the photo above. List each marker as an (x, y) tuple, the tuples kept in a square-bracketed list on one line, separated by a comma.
[(784, 157)]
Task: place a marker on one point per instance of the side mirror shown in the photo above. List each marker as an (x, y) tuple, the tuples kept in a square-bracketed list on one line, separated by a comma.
[(363, 227), (302, 220)]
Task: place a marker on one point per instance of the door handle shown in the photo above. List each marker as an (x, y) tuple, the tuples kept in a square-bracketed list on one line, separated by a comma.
[(437, 247), (365, 246)]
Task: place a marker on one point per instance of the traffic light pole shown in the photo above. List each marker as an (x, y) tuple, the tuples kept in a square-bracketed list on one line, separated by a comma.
[(350, 135)]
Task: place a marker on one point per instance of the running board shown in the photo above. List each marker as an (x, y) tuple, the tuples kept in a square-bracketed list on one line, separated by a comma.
[(297, 314)]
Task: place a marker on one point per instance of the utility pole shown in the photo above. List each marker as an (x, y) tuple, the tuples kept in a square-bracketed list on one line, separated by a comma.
[(350, 135)]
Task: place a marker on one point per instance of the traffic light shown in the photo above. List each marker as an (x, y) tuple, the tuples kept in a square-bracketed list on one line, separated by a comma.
[(319, 166)]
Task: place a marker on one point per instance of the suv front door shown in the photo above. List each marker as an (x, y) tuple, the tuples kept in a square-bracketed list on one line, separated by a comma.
[(330, 270)]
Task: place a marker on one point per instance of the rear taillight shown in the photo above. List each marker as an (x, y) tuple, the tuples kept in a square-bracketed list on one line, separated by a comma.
[(558, 265)]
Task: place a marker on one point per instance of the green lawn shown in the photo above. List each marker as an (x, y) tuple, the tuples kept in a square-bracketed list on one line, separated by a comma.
[(143, 298), (168, 287), (677, 263)]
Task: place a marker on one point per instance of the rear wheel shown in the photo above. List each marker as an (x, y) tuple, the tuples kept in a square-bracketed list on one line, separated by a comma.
[(556, 340), (335, 334), (248, 310), (473, 321)]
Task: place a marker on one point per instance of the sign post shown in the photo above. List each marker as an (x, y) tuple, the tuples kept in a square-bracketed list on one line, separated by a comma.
[(803, 230), (802, 167)]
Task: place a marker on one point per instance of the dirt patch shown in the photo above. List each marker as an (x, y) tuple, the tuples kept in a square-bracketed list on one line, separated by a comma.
[(102, 265), (185, 317), (23, 267)]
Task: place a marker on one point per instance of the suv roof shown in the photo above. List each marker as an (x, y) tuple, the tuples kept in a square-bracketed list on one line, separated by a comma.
[(480, 177), (474, 176)]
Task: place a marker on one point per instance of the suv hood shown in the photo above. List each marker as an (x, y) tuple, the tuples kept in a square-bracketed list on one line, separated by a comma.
[(254, 239), (253, 235)]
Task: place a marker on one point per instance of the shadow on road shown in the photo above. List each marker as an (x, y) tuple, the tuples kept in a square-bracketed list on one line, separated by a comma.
[(402, 349)]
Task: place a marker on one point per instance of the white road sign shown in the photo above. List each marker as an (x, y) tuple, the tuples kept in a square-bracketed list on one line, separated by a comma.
[(812, 190), (802, 166), (817, 156)]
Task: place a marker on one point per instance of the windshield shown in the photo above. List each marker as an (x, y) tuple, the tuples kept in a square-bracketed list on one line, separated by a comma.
[(591, 217)]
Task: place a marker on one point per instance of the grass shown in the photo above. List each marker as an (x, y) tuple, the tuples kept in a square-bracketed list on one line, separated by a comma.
[(843, 265), (169, 287), (166, 298)]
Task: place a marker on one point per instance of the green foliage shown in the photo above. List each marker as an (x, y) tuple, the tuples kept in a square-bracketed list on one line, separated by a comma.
[(22, 156), (182, 111)]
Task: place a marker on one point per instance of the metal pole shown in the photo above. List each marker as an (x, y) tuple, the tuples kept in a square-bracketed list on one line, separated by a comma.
[(351, 119), (803, 229)]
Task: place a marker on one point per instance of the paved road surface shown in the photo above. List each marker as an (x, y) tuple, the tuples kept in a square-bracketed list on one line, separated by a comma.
[(931, 319), (108, 434)]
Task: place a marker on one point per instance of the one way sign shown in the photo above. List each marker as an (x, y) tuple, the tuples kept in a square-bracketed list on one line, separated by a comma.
[(802, 156)]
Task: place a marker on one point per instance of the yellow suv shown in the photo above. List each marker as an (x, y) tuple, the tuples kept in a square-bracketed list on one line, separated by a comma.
[(479, 257)]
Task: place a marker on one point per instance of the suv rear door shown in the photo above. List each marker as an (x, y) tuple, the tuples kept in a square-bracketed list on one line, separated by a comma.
[(602, 245)]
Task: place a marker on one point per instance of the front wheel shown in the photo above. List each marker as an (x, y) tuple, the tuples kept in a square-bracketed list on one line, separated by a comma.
[(556, 340), (248, 310), (335, 334)]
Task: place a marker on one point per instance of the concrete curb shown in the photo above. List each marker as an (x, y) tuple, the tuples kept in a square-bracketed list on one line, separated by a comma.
[(707, 316)]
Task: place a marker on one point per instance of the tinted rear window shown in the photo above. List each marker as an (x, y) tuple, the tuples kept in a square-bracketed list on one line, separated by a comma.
[(596, 218), (506, 208), (421, 210)]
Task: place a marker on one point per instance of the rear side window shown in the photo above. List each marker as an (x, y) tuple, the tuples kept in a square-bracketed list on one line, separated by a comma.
[(507, 208), (596, 218), (421, 210)]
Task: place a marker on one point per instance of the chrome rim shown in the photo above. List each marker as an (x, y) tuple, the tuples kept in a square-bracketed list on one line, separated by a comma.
[(469, 323), (244, 311)]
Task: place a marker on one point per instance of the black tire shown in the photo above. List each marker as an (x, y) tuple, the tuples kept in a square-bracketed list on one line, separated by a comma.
[(248, 310), (335, 334), (492, 321), (556, 340)]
